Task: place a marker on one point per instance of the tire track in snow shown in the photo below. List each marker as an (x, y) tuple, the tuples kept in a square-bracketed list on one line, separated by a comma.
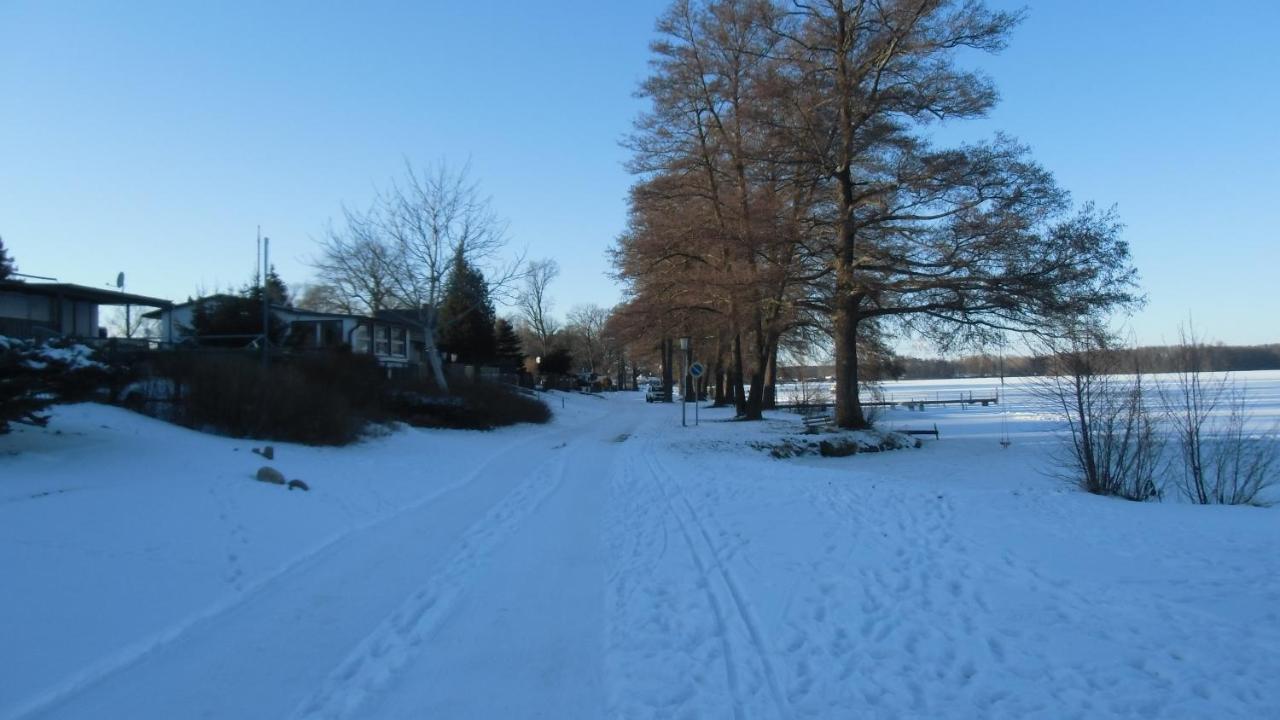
[(740, 606), (376, 661), (130, 655)]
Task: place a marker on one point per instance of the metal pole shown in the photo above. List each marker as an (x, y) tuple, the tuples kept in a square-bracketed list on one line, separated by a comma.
[(684, 396), (266, 303)]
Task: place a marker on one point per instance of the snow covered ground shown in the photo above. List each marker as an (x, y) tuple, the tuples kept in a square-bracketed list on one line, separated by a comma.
[(613, 564)]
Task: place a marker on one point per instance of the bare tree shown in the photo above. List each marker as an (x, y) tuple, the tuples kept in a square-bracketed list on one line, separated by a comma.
[(399, 253), (129, 323), (321, 297), (788, 186), (358, 263), (1115, 445), (585, 326), (534, 303), (1223, 463), (433, 217)]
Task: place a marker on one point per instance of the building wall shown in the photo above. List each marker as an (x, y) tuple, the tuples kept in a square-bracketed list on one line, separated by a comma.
[(21, 306), (79, 318)]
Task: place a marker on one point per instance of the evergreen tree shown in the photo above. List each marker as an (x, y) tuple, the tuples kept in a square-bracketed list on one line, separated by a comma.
[(233, 320), (34, 376), (557, 362), (467, 314), (7, 267), (509, 352), (277, 290)]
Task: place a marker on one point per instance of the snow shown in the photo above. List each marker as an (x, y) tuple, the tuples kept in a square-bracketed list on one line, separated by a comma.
[(614, 564), (73, 357)]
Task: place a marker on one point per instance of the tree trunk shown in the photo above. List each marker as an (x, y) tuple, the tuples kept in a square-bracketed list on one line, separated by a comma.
[(718, 373), (428, 317), (771, 380), (667, 378), (766, 347), (848, 404), (739, 391), (751, 410)]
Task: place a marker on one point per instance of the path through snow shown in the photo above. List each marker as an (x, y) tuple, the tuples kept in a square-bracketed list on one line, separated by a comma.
[(613, 564)]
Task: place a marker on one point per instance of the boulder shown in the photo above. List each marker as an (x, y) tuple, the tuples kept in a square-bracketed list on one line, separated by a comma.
[(268, 474)]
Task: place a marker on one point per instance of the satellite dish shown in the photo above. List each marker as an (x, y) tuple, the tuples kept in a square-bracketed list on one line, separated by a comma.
[(120, 281)]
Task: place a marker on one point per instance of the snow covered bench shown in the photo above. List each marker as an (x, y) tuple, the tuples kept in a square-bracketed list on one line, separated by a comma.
[(815, 422), (933, 432)]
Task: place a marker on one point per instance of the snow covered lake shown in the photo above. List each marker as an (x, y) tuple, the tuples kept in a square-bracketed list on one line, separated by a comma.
[(615, 565)]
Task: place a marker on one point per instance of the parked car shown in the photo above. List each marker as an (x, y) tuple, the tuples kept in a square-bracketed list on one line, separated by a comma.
[(655, 393)]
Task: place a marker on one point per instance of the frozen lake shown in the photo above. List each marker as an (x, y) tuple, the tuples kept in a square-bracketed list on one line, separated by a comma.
[(1020, 408)]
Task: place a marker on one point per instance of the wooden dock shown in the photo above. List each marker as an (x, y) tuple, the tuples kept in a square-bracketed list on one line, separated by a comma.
[(916, 402)]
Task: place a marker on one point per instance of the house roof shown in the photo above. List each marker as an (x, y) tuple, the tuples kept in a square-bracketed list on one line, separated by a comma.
[(401, 315), (299, 313), (83, 293)]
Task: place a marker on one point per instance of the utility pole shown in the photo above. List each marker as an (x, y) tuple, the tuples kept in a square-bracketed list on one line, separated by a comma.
[(684, 380), (266, 304)]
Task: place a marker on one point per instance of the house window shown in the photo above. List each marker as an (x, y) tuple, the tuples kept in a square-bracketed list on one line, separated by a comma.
[(381, 340), (398, 347), (360, 339)]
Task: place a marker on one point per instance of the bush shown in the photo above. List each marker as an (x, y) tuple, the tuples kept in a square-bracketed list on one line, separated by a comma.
[(469, 405), (314, 399), (318, 399), (1222, 463), (1115, 444)]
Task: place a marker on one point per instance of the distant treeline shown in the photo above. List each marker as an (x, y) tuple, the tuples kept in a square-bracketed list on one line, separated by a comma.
[(1153, 359)]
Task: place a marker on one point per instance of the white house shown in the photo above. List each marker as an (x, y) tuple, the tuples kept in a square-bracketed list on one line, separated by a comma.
[(389, 339)]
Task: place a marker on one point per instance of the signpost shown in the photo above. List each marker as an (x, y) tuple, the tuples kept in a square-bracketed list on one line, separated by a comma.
[(696, 370)]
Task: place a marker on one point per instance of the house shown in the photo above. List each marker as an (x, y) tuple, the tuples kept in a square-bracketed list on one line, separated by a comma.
[(39, 310), (388, 338)]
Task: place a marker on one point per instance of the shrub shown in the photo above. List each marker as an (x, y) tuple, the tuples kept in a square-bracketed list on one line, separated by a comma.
[(319, 399), (315, 399), (1114, 443), (1222, 463), (469, 405)]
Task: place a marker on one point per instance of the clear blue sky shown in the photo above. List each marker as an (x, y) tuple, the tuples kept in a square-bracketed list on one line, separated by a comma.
[(153, 137)]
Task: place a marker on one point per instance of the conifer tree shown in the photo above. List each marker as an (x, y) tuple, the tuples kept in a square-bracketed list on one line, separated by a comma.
[(7, 267), (34, 376), (508, 349), (233, 320), (467, 314)]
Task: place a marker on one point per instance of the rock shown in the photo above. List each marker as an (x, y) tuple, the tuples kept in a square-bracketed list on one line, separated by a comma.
[(838, 448), (268, 452), (268, 474), (298, 484)]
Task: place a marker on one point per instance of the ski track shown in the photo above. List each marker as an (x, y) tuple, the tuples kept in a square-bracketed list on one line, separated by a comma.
[(131, 655), (742, 590), (649, 591), (892, 611), (375, 662)]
